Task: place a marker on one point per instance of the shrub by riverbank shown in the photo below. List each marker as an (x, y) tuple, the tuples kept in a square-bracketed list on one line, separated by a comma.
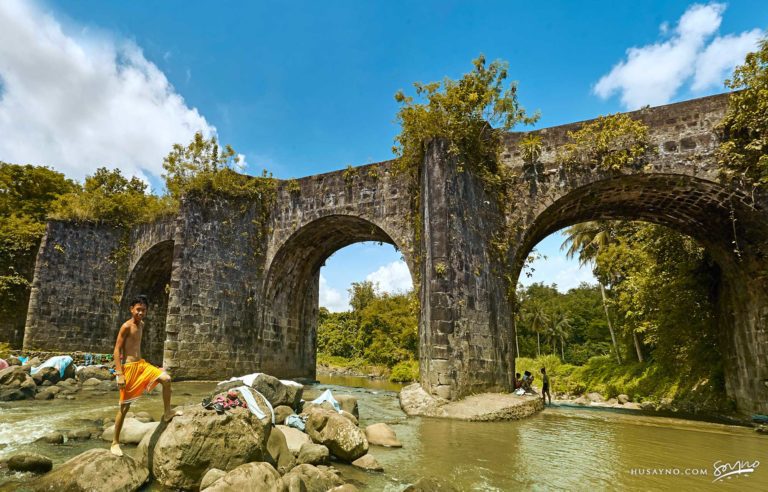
[(694, 390)]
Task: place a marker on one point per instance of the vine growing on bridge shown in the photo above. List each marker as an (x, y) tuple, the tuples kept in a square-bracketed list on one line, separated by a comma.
[(609, 143)]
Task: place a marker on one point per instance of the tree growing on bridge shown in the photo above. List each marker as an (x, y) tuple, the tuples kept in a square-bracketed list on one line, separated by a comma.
[(470, 113), (743, 151)]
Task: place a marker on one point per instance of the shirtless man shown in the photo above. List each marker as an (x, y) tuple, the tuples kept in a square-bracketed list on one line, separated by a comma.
[(136, 376)]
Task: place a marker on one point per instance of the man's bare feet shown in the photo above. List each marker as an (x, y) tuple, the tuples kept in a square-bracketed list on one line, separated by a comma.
[(168, 416), (115, 449)]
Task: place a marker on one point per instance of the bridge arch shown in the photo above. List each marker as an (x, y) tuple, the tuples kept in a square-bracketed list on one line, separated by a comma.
[(151, 275), (291, 287), (722, 220)]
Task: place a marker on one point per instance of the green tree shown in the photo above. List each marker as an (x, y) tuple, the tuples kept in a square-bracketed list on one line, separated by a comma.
[(743, 152), (108, 196), (26, 194), (585, 240)]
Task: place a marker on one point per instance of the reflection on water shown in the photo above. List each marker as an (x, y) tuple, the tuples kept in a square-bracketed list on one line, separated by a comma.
[(560, 448)]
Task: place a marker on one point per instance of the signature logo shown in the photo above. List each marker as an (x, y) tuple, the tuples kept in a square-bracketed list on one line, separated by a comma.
[(728, 470)]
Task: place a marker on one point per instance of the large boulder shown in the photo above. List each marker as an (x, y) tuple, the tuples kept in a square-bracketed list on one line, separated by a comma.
[(294, 438), (211, 476), (279, 455), (133, 431), (97, 372), (179, 454), (348, 403), (52, 438), (250, 477), (281, 413), (310, 479), (382, 435), (342, 438), (12, 374), (276, 391), (47, 374), (367, 463), (96, 470), (313, 454), (30, 462)]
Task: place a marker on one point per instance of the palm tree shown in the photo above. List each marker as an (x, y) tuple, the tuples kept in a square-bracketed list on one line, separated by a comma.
[(561, 328), (585, 240), (538, 320)]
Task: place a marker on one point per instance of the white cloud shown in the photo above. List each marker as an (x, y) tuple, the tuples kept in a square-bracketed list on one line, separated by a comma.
[(558, 269), (721, 56), (654, 73), (392, 278), (75, 100), (332, 299)]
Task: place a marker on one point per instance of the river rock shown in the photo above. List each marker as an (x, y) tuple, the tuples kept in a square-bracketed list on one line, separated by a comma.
[(368, 462), (348, 403), (310, 479), (294, 438), (82, 434), (11, 374), (13, 394), (144, 417), (278, 453), (13, 361), (47, 374), (347, 487), (275, 391), (249, 477), (91, 384), (313, 454), (133, 431), (582, 400), (44, 395), (382, 435), (201, 439), (211, 476), (595, 397), (622, 399), (612, 402), (96, 470), (349, 417), (428, 484), (33, 362), (281, 413), (344, 439), (630, 405), (30, 462), (94, 372), (52, 438)]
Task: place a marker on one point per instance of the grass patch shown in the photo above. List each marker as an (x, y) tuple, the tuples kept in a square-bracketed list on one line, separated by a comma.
[(692, 389)]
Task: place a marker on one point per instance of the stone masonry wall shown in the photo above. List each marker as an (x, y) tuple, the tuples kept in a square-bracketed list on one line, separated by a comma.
[(217, 273), (72, 305)]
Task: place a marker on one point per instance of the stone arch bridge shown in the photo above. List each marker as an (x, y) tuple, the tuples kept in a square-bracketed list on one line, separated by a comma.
[(230, 296)]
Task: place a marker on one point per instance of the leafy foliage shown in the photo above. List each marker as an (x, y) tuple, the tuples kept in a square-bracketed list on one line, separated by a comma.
[(470, 113), (110, 197), (743, 151), (381, 329), (26, 194), (610, 143), (204, 168)]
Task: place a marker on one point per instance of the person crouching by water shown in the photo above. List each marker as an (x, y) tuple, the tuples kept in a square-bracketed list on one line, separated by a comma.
[(518, 382), (136, 376), (526, 382), (545, 387)]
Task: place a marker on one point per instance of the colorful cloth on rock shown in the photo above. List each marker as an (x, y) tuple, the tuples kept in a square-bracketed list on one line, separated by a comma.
[(140, 377)]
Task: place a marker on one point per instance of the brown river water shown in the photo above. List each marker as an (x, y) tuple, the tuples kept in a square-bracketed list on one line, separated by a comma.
[(561, 448)]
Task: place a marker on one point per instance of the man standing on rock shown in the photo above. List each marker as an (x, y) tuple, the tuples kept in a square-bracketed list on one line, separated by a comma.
[(136, 376)]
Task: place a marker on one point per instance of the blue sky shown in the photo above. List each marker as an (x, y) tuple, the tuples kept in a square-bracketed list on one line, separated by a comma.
[(306, 87)]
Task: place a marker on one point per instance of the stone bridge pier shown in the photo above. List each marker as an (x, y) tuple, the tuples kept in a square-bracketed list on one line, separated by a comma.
[(234, 283)]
